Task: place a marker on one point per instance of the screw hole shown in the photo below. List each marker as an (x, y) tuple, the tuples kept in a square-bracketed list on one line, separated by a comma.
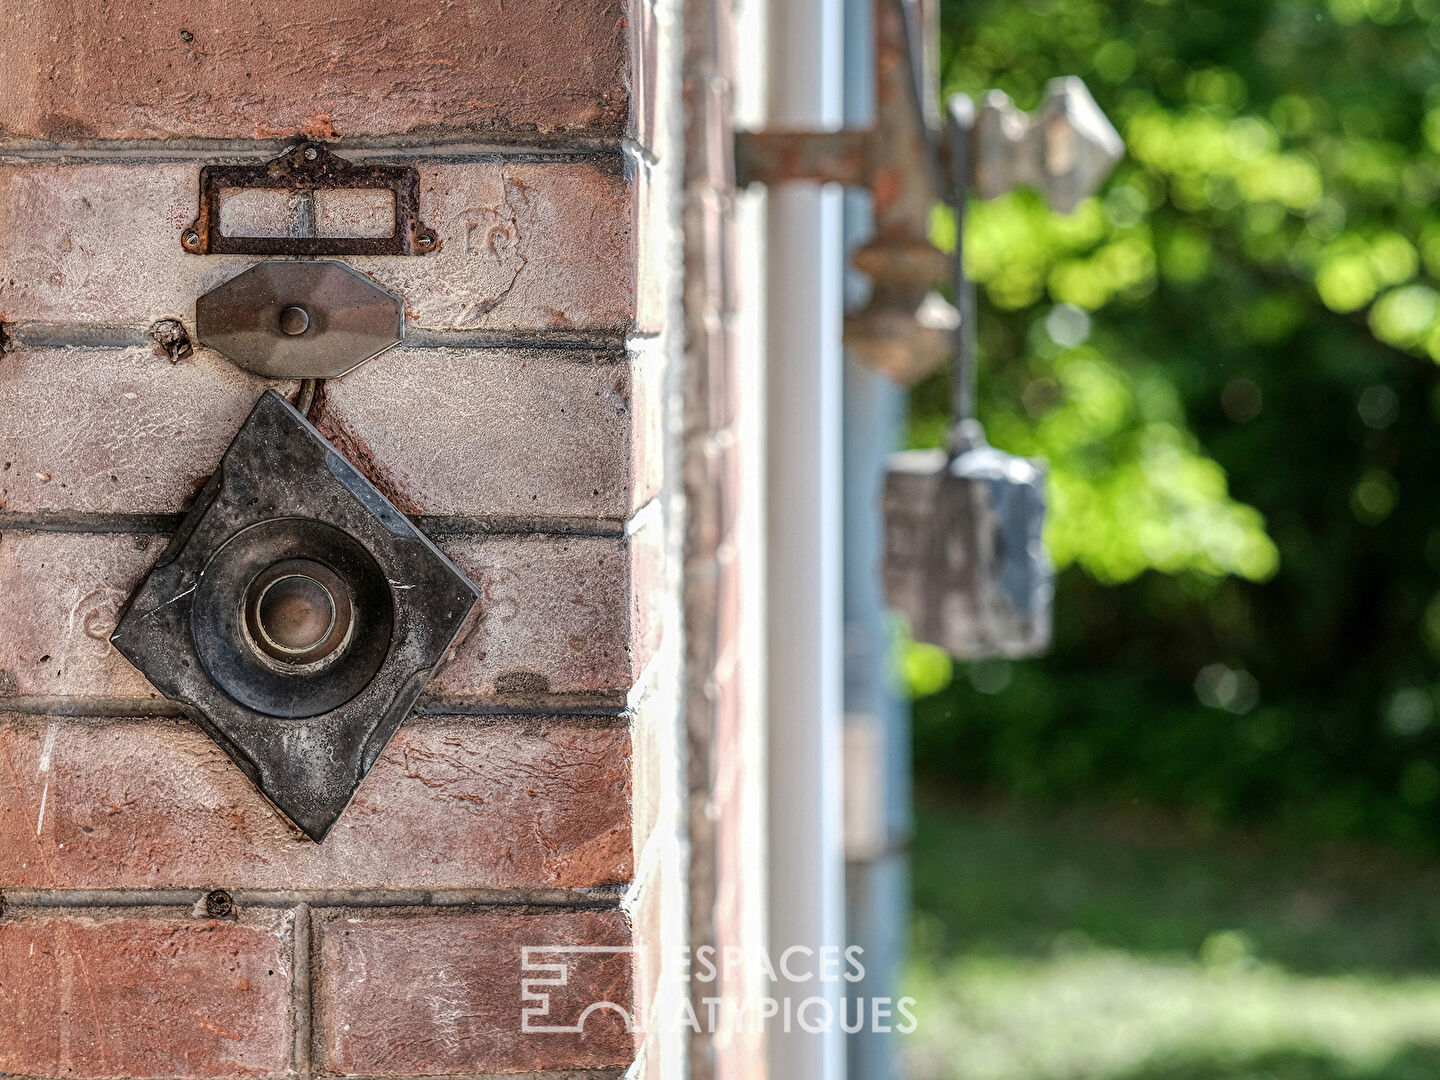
[(219, 905)]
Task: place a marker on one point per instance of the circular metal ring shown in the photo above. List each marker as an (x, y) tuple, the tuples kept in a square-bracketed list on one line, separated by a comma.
[(298, 611), (293, 614), (257, 667)]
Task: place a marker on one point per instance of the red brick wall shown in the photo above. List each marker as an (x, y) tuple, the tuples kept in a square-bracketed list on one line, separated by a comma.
[(722, 614), (521, 425)]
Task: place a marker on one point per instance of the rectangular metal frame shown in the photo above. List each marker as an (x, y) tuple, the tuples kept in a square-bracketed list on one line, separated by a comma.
[(310, 167)]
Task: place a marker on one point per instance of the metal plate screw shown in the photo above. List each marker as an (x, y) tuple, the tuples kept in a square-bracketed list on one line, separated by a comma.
[(294, 320)]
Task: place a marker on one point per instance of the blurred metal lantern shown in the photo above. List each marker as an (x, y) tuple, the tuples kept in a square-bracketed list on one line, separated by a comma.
[(964, 555), (964, 560)]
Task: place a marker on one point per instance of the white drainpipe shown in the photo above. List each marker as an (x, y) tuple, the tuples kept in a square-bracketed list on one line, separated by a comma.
[(804, 360)]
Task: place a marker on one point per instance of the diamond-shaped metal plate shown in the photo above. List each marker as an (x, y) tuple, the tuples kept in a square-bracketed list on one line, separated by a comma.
[(304, 715), (299, 320)]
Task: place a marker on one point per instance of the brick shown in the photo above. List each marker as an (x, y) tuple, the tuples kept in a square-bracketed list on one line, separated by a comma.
[(663, 979), (453, 802), (124, 430), (713, 486), (654, 778), (649, 586), (648, 433), (654, 270), (648, 917), (127, 431), (533, 435), (277, 67), (524, 246), (116, 430), (729, 605), (63, 595), (440, 995), (645, 74), (145, 997), (555, 616)]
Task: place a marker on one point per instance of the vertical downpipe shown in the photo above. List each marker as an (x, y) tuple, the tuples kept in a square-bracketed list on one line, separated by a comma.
[(877, 722), (804, 359)]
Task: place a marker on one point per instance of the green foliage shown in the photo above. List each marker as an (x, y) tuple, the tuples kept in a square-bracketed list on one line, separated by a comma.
[(1230, 359)]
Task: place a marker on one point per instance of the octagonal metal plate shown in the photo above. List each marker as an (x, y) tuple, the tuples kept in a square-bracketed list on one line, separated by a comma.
[(306, 736), (351, 319)]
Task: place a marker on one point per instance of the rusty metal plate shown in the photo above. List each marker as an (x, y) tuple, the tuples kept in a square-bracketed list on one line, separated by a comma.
[(300, 320), (307, 168), (297, 613)]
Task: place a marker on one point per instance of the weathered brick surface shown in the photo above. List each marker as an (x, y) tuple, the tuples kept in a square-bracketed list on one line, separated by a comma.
[(534, 435), (453, 802), (727, 768), (652, 774), (524, 246), (441, 994), (145, 997), (63, 595), (231, 69), (648, 432), (647, 914), (646, 106), (512, 408), (492, 433), (648, 588), (651, 250), (116, 430), (555, 616)]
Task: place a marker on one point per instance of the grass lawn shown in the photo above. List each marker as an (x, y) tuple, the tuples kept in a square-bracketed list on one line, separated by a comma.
[(1110, 945)]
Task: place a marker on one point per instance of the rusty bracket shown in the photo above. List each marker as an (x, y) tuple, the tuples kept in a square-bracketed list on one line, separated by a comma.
[(308, 168), (1065, 149)]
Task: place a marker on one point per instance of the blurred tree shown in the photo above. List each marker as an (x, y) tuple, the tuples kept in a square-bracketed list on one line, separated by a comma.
[(1230, 360)]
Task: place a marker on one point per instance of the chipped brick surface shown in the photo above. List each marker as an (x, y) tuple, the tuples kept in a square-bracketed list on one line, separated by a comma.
[(63, 595), (524, 246), (647, 433), (554, 617), (453, 802), (503, 433), (145, 997), (232, 69), (441, 995), (533, 435), (116, 430)]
